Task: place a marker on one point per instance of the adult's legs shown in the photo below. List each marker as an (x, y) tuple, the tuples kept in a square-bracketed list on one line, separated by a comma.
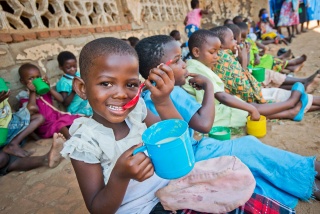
[(13, 148)]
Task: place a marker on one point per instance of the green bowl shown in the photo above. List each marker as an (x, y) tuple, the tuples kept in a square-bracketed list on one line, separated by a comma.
[(220, 133), (3, 136), (259, 74)]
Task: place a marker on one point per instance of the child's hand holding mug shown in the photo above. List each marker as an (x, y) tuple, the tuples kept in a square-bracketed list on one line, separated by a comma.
[(137, 167)]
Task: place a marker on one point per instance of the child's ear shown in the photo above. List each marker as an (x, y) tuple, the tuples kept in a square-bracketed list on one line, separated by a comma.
[(196, 52), (79, 87)]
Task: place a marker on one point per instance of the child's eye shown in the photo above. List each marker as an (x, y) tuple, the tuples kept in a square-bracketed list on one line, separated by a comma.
[(132, 85), (106, 84)]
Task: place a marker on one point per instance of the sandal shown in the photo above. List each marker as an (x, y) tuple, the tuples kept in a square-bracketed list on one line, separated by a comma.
[(298, 86)]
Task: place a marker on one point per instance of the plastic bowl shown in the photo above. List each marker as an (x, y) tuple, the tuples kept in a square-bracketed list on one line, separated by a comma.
[(257, 128), (220, 133)]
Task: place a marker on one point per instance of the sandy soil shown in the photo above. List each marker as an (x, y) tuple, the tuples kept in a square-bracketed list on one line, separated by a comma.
[(56, 190)]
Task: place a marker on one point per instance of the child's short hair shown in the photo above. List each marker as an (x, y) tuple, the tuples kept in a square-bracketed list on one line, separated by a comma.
[(25, 67), (235, 30), (198, 38), (174, 33), (237, 19), (102, 47), (261, 11), (194, 3), (220, 31), (133, 40), (150, 51), (243, 26), (64, 56), (227, 21)]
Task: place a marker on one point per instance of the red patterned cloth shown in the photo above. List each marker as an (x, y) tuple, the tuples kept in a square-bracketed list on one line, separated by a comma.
[(257, 204)]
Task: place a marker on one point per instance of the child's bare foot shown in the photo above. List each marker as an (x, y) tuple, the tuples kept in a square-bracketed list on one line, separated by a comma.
[(297, 60), (313, 82), (16, 151), (54, 156), (295, 68)]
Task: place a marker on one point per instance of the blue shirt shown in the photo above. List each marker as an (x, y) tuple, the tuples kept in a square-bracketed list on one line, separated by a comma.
[(77, 105)]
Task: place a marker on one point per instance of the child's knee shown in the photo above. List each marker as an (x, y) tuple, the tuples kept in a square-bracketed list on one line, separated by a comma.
[(37, 119)]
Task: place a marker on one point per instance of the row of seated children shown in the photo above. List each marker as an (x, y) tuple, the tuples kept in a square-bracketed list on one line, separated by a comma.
[(102, 145), (39, 117)]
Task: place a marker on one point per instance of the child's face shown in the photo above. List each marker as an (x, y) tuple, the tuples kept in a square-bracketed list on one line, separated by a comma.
[(69, 67), (229, 41), (177, 36), (113, 81), (244, 34), (208, 52), (172, 51), (29, 75)]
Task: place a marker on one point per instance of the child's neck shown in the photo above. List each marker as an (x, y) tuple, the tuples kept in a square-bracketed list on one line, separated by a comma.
[(120, 130), (69, 76)]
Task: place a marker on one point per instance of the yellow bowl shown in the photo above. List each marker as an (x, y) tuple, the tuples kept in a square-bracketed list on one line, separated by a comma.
[(257, 128)]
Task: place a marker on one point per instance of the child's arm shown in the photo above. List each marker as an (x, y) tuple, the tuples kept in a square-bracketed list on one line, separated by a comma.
[(256, 59), (203, 119), (263, 47), (4, 95), (163, 78), (233, 102), (53, 92), (101, 198), (185, 20), (32, 105), (67, 99)]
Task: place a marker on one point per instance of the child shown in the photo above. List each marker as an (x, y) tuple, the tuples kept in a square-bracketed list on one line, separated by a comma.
[(193, 18), (73, 103), (231, 110), (55, 120), (176, 35), (19, 124), (227, 63), (271, 167), (267, 29), (102, 146), (289, 16), (276, 79)]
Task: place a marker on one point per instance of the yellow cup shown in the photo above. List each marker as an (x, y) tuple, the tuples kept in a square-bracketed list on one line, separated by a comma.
[(257, 128)]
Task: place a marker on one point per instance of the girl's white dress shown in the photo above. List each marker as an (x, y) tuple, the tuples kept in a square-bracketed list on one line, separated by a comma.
[(93, 143)]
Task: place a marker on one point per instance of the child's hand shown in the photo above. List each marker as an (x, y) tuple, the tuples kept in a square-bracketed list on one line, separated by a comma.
[(255, 115), (46, 80), (31, 87), (164, 83), (137, 167), (256, 60), (198, 81), (4, 95)]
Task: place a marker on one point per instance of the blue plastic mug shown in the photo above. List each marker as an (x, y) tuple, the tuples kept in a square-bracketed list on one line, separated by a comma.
[(169, 147)]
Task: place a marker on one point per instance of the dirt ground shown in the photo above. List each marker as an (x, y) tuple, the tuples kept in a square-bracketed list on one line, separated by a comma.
[(56, 190)]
